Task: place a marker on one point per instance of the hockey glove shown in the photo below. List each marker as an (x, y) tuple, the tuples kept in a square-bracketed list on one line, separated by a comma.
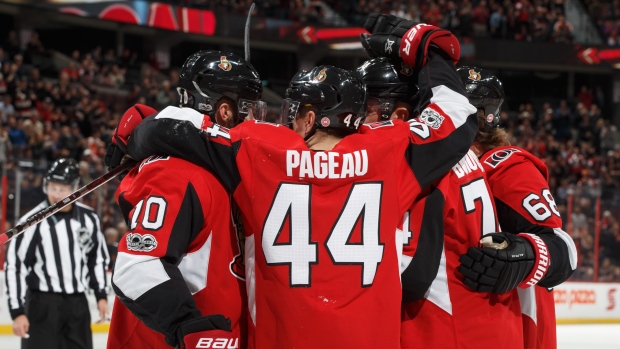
[(389, 33), (213, 331), (386, 34), (504, 262), (129, 121)]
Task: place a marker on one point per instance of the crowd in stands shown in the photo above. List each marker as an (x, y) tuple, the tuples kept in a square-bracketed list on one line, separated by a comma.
[(523, 20), (606, 16), (74, 114)]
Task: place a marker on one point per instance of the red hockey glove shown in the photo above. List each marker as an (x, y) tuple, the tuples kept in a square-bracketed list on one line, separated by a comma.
[(130, 120), (408, 41), (213, 331), (504, 262), (416, 42)]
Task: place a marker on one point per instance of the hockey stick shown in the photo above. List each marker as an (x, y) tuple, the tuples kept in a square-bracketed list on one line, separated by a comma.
[(246, 37), (48, 211)]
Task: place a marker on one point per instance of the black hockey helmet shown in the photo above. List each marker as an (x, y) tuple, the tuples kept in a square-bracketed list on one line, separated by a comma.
[(64, 171), (338, 95), (387, 84), (484, 91), (207, 76)]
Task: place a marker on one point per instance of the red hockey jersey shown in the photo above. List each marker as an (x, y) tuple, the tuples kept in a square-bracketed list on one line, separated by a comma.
[(321, 251), (177, 261), (518, 181), (440, 226)]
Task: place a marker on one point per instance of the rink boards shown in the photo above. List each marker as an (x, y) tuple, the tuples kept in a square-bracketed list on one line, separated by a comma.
[(575, 303)]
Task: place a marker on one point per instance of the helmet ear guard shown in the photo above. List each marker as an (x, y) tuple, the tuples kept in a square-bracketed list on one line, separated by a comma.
[(485, 92)]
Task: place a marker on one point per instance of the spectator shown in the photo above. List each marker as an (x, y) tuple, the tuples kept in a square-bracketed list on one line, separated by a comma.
[(480, 18), (497, 23), (562, 31), (451, 18), (165, 96), (6, 108)]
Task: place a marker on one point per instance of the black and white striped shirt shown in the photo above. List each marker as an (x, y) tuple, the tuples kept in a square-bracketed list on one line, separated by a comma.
[(65, 253)]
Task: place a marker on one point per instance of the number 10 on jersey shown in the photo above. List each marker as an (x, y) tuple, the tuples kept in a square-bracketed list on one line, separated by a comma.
[(293, 201)]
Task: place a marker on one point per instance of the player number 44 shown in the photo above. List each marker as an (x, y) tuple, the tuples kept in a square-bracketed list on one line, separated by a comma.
[(357, 122), (292, 201)]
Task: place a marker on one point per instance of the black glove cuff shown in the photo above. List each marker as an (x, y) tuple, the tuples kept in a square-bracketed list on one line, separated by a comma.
[(205, 323)]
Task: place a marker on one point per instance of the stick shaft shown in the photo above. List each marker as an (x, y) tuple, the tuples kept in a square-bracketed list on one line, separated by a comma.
[(50, 210), (246, 37)]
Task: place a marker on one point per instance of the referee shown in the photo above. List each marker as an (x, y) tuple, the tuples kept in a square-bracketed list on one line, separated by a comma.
[(50, 266)]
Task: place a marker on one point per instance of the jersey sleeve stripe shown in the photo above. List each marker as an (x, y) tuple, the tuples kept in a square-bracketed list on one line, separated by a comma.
[(451, 104), (182, 114), (135, 275), (570, 244), (195, 267)]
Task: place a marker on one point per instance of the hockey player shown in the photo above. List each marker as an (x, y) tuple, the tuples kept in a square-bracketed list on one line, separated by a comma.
[(318, 223), (524, 204), (447, 218), (392, 92), (179, 263)]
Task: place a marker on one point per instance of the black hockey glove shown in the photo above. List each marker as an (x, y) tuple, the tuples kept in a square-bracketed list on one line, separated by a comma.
[(213, 331), (386, 34), (504, 262), (402, 40)]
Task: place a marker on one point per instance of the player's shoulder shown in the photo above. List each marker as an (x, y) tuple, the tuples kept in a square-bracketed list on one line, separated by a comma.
[(468, 169), (382, 131), (184, 114), (385, 126), (501, 158), (263, 132), (170, 171)]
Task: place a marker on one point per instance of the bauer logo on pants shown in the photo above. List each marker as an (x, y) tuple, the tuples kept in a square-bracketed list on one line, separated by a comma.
[(141, 243)]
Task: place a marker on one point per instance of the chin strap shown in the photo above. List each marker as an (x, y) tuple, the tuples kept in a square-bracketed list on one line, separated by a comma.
[(387, 108)]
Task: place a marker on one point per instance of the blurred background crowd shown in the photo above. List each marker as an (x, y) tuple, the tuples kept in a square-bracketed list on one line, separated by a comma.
[(72, 111), (541, 20)]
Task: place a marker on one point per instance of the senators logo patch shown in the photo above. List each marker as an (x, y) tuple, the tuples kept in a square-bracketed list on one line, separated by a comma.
[(224, 64), (474, 75), (496, 158), (406, 69), (321, 76)]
